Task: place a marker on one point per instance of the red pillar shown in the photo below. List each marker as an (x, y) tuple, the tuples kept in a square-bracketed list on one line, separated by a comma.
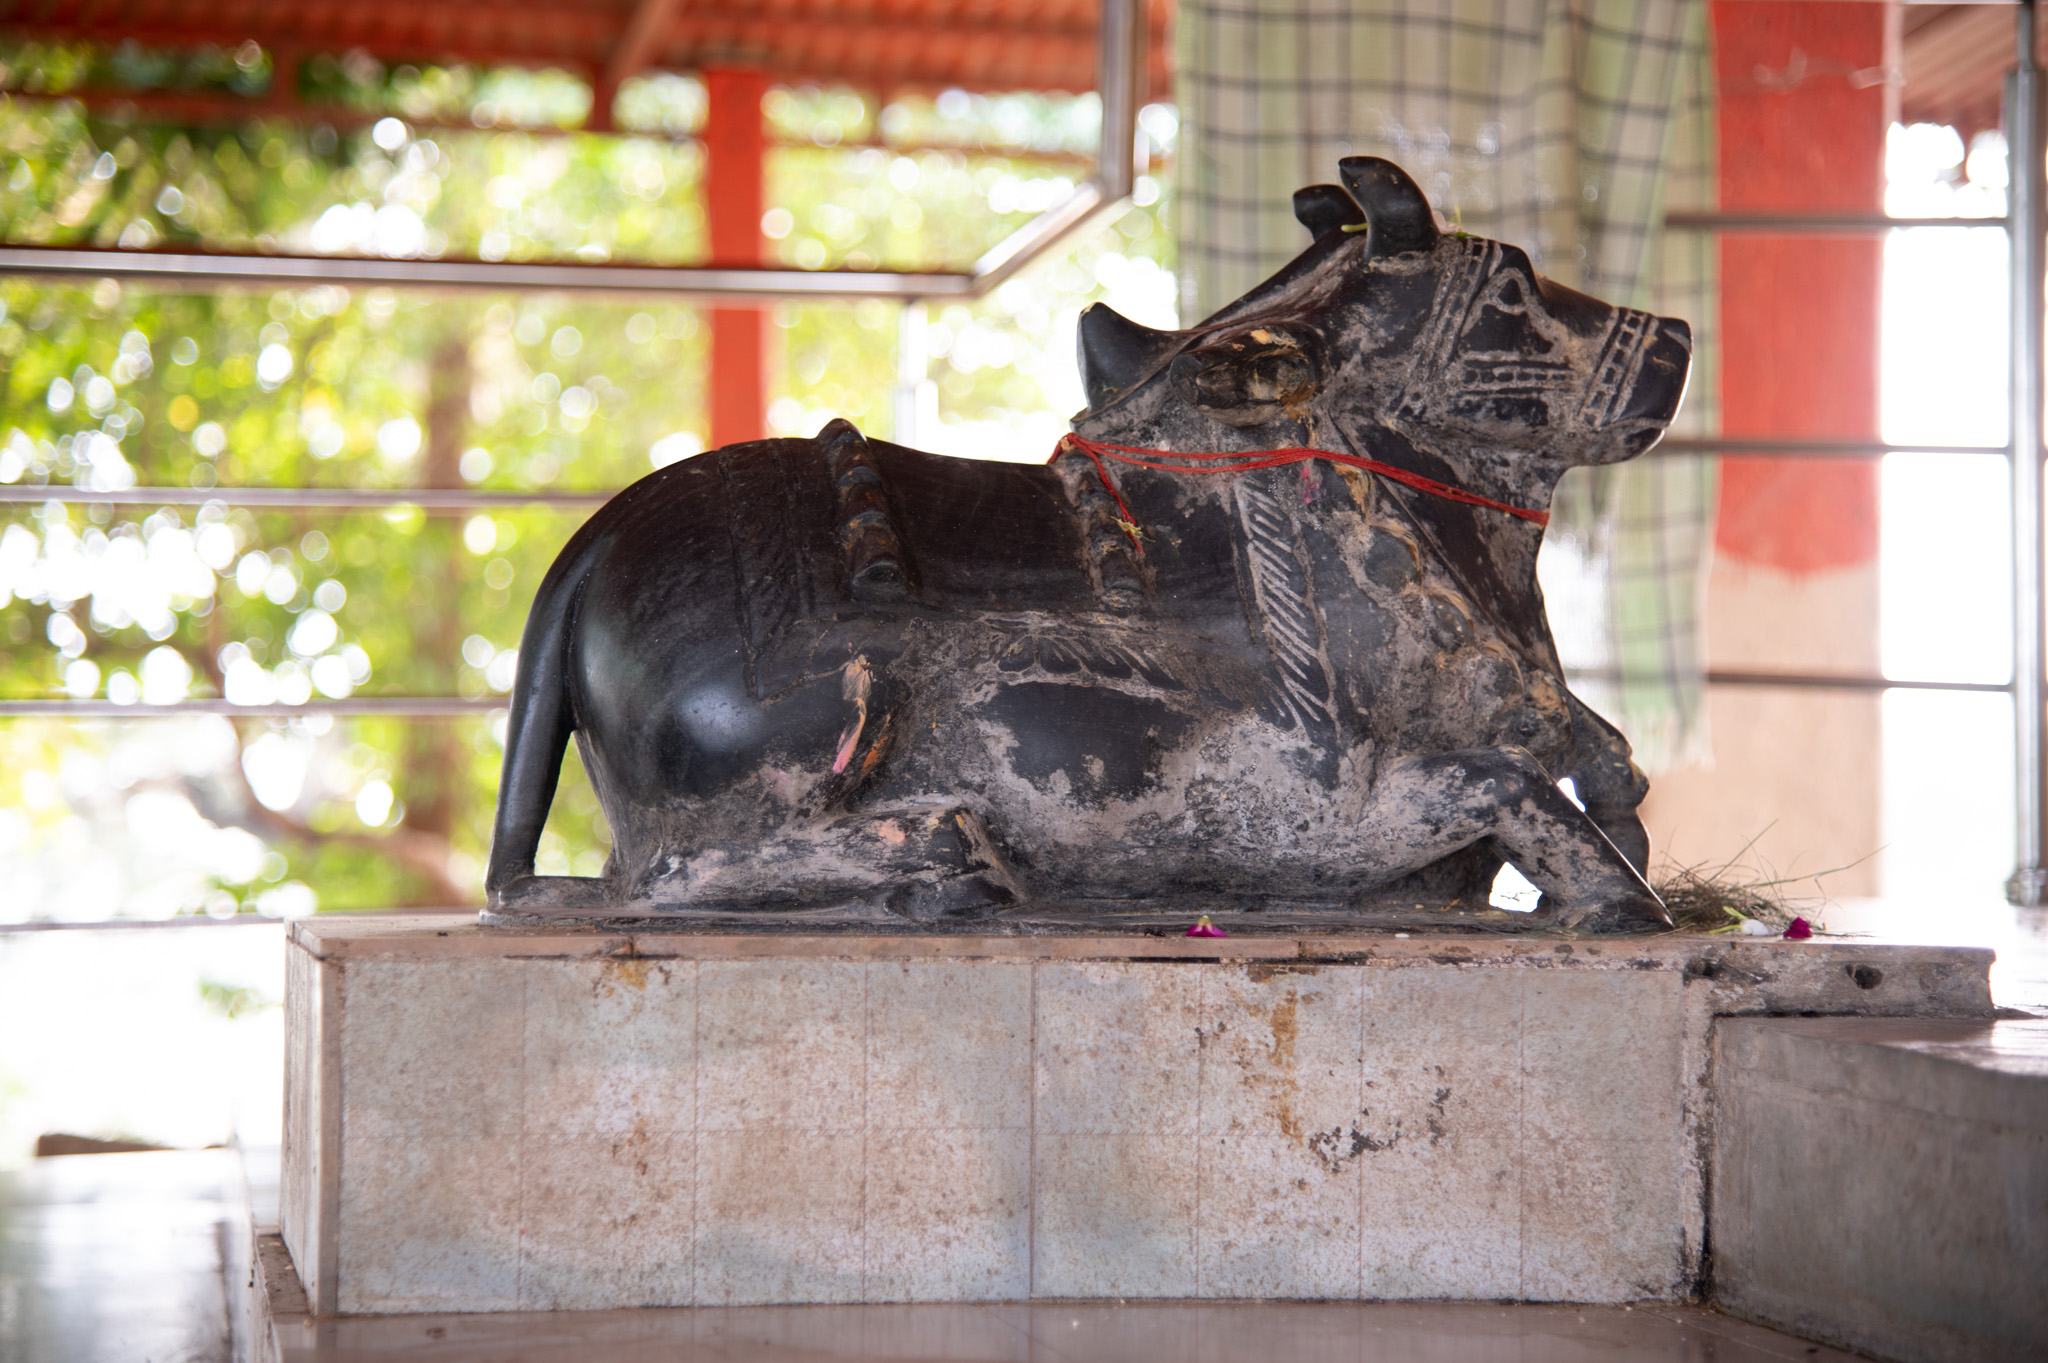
[(1802, 128), (734, 146)]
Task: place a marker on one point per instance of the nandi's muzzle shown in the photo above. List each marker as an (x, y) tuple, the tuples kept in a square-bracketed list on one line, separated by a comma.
[(1640, 382)]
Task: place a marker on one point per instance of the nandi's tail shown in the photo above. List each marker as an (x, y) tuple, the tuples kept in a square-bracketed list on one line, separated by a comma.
[(537, 732)]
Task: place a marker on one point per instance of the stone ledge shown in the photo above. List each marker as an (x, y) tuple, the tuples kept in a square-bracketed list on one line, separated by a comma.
[(1883, 1183), (1833, 977)]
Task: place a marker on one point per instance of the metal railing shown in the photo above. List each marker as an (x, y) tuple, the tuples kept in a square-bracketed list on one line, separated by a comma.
[(1120, 81), (431, 500), (457, 500), (1821, 224)]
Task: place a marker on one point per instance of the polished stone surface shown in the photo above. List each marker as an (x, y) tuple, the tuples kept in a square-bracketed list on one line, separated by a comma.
[(1884, 1183), (115, 1258), (555, 1120), (1052, 1332), (1085, 1333)]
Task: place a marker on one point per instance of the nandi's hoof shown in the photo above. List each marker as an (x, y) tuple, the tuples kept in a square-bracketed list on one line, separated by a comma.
[(1635, 912)]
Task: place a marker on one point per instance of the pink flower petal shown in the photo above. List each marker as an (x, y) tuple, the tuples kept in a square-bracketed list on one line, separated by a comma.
[(1204, 928), (1799, 931)]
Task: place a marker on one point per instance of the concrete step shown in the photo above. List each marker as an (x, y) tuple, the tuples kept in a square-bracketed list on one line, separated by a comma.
[(1882, 1183)]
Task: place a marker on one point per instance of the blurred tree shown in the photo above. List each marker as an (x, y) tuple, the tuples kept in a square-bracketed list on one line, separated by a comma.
[(333, 387)]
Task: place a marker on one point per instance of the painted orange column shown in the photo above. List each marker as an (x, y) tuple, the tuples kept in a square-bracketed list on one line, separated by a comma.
[(1803, 113), (734, 148)]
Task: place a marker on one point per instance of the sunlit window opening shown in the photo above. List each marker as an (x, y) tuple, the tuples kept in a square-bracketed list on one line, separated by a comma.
[(1945, 558)]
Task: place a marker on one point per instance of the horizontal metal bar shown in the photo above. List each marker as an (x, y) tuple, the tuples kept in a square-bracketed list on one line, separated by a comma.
[(1816, 681), (1828, 224), (183, 920), (457, 499), (216, 268), (356, 707), (1772, 447), (214, 107), (319, 498)]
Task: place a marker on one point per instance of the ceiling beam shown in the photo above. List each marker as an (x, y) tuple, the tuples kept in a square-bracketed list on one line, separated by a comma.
[(955, 50)]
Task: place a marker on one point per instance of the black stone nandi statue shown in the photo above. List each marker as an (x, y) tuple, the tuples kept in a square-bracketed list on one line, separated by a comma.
[(1263, 639)]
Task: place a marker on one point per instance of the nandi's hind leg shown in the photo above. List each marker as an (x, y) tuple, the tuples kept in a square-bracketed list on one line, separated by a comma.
[(946, 864), (1427, 808)]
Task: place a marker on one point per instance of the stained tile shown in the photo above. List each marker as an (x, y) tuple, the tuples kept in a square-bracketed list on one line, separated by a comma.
[(778, 1217), (781, 1044), (1117, 1047), (1441, 1220), (1442, 1048), (1114, 1215), (949, 1044), (429, 1223), (1602, 1052), (1278, 1218), (1605, 1186), (948, 1215), (432, 1048), (610, 1048), (1280, 1050), (606, 1222)]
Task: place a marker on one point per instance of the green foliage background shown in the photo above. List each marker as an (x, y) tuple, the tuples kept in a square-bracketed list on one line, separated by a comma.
[(331, 387)]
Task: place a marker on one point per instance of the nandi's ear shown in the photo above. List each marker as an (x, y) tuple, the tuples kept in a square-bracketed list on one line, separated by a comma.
[(1116, 352), (1393, 203), (1322, 209)]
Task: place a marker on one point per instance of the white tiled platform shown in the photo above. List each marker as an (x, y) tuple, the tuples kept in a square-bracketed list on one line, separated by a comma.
[(548, 1120)]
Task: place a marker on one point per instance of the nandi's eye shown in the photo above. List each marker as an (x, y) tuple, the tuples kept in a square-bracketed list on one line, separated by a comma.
[(1502, 325)]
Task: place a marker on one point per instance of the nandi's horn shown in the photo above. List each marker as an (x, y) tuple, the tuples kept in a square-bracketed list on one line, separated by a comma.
[(1322, 209), (1116, 352), (1393, 204)]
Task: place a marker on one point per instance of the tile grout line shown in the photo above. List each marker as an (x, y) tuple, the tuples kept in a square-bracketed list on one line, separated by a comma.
[(1201, 1130), (1521, 980), (696, 1123), (1031, 1148), (1358, 1115), (519, 1154), (867, 1049)]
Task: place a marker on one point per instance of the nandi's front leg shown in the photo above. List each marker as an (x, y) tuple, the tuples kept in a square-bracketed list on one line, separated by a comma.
[(1426, 808), (1609, 783)]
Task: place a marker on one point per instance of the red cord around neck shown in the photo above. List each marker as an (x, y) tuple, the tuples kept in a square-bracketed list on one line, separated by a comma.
[(1248, 460)]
